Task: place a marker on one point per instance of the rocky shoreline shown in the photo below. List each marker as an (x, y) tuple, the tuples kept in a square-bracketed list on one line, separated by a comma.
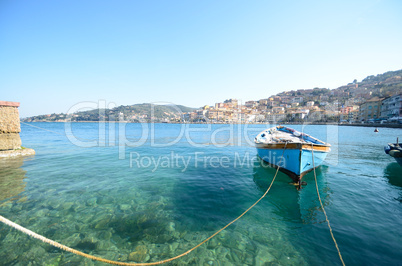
[(17, 153)]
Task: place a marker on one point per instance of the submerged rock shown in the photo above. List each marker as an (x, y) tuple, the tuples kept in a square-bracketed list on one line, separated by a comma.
[(176, 235), (222, 253), (249, 259), (6, 205), (79, 227), (67, 205), (123, 257), (140, 254), (213, 243), (173, 246), (263, 239), (264, 256), (104, 245), (106, 235), (188, 237), (102, 224), (91, 201), (124, 207), (171, 227), (237, 255), (163, 238), (103, 221), (42, 212), (73, 240), (160, 250), (77, 207), (36, 253), (54, 204)]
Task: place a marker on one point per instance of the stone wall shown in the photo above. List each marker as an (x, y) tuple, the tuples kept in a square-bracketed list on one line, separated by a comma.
[(9, 126)]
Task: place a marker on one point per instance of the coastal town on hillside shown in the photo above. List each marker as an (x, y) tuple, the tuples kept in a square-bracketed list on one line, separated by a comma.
[(303, 106), (376, 99)]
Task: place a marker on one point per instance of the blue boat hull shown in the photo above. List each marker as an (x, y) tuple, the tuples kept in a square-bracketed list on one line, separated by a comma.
[(294, 162)]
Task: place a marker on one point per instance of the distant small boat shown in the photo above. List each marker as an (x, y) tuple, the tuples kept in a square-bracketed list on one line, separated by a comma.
[(394, 150), (376, 130), (296, 148)]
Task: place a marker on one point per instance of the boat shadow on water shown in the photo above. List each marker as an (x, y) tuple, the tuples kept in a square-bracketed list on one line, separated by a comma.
[(289, 203), (393, 174), (208, 199)]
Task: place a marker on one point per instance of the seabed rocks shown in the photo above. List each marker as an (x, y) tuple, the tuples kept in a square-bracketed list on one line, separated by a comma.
[(131, 232)]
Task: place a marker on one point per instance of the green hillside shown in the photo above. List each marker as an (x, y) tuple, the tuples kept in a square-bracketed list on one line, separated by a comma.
[(144, 112)]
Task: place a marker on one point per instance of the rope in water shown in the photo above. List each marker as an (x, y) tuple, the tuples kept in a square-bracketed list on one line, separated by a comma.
[(322, 207), (43, 128), (65, 248)]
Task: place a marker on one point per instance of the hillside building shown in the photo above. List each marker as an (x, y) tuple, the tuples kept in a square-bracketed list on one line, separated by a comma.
[(371, 109), (391, 107), (310, 104)]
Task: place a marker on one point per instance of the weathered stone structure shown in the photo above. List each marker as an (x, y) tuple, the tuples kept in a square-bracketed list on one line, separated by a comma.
[(10, 140), (9, 126)]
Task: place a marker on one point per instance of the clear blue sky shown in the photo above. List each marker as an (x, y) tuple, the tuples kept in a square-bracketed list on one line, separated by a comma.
[(54, 54)]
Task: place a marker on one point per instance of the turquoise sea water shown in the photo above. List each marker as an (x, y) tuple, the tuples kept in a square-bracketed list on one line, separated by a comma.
[(143, 193)]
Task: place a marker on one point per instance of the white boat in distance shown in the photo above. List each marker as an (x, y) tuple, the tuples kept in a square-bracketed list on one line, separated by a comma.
[(291, 150)]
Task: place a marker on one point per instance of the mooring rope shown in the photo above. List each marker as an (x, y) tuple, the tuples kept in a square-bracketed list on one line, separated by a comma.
[(323, 209), (43, 129), (74, 251)]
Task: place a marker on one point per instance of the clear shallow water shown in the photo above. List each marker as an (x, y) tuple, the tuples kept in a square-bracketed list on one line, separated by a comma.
[(173, 188)]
